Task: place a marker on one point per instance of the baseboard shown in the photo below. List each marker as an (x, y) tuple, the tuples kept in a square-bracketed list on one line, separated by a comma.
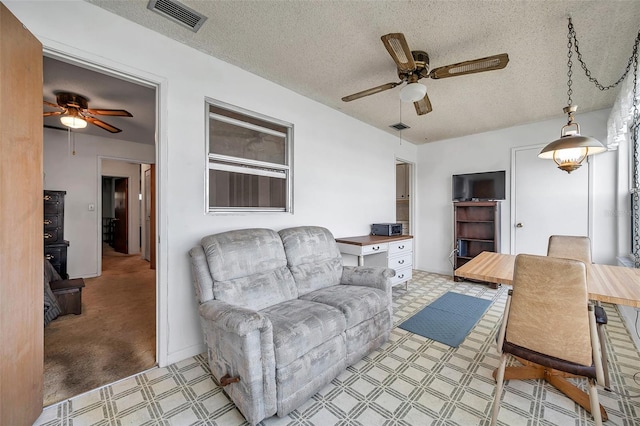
[(185, 353)]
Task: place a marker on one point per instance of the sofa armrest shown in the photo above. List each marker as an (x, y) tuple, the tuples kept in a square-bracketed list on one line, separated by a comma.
[(240, 345), (233, 319), (375, 277)]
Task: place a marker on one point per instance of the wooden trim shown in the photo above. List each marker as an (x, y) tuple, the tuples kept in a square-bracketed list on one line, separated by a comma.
[(366, 240), (21, 224)]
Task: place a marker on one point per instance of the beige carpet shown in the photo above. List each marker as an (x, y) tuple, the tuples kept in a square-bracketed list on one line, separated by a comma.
[(113, 338)]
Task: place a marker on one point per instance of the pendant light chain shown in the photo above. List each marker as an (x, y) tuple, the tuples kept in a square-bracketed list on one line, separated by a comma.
[(635, 126), (570, 36), (636, 173), (632, 60)]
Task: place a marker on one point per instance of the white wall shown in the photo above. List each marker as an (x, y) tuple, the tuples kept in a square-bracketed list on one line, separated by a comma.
[(344, 170), (79, 175), (131, 171), (492, 151)]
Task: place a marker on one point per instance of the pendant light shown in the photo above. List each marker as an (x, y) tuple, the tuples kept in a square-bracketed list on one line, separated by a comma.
[(572, 148)]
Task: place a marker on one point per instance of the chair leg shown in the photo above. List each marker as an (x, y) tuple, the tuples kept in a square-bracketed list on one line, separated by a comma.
[(605, 362), (499, 385), (595, 404)]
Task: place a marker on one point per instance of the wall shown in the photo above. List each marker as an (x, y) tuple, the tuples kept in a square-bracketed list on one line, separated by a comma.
[(344, 170), (79, 175), (492, 151)]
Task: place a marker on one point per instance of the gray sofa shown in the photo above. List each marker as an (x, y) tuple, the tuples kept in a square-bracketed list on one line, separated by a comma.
[(282, 316)]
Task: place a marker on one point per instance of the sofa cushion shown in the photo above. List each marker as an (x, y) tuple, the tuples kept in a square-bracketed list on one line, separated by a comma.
[(249, 268), (312, 256), (355, 302), (301, 325), (257, 291)]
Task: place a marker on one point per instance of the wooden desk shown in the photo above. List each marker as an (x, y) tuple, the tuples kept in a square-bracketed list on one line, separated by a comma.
[(395, 252), (606, 283)]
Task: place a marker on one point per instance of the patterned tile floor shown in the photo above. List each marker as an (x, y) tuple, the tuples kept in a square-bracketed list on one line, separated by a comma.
[(409, 381)]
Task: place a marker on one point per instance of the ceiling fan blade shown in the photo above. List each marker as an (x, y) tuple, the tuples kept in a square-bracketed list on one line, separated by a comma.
[(489, 63), (368, 92), (51, 104), (111, 112), (399, 50), (49, 114), (100, 123), (423, 106)]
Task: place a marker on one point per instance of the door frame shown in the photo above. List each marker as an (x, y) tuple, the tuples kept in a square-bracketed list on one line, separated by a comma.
[(104, 65), (552, 169), (412, 191)]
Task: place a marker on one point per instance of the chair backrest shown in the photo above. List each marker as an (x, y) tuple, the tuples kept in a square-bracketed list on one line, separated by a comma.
[(248, 268), (549, 308), (313, 257), (570, 247)]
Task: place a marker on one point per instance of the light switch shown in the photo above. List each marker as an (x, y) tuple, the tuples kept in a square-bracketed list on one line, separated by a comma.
[(92, 207)]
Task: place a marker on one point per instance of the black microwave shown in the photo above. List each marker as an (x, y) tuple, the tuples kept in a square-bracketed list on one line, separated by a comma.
[(386, 229)]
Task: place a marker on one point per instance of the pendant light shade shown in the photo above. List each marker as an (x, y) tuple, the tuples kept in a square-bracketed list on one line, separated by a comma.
[(571, 149), (413, 92)]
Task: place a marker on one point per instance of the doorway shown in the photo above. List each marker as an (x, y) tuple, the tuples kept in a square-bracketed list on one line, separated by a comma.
[(545, 201), (115, 213), (115, 336), (404, 194)]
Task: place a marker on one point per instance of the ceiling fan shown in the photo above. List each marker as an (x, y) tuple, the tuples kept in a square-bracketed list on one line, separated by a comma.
[(75, 112), (414, 65)]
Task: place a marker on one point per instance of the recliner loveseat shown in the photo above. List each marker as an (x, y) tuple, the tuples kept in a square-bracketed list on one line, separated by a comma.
[(282, 316)]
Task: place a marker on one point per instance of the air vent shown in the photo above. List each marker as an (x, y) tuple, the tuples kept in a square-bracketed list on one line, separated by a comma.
[(400, 126), (178, 12)]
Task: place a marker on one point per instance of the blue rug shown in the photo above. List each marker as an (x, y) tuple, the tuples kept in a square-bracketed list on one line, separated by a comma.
[(447, 319)]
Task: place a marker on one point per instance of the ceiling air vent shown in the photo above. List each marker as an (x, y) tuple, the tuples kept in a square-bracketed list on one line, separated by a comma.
[(400, 126), (178, 12)]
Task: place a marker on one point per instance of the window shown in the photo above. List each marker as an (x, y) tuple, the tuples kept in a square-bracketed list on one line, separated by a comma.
[(249, 160)]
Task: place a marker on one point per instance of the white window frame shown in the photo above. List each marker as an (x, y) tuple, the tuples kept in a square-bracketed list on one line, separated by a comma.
[(247, 166)]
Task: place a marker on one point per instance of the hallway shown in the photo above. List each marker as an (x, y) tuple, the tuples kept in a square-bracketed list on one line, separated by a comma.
[(113, 338)]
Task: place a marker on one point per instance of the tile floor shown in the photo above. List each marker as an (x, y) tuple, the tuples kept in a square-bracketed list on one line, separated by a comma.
[(410, 380)]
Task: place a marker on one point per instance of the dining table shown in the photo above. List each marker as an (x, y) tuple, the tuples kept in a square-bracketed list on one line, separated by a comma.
[(605, 283)]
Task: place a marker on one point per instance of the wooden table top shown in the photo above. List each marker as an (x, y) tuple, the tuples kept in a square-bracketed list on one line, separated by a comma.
[(606, 283), (366, 240)]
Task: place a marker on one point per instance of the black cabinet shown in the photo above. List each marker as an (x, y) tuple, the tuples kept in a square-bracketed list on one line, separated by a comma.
[(55, 246)]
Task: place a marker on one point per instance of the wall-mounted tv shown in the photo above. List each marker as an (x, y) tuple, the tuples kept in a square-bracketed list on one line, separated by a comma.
[(479, 186)]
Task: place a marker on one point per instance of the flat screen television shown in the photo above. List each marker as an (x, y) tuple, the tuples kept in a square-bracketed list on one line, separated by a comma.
[(479, 186)]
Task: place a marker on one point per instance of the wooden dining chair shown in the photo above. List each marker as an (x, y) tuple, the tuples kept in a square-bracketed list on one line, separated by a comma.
[(579, 248), (549, 327)]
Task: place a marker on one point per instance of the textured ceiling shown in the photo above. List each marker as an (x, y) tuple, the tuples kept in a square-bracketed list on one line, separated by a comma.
[(328, 49)]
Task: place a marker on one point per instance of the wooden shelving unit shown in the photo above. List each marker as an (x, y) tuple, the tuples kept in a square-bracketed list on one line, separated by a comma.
[(476, 229)]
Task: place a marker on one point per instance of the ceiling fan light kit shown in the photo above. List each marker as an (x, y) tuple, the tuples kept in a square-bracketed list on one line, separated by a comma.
[(413, 92), (73, 121), (413, 65)]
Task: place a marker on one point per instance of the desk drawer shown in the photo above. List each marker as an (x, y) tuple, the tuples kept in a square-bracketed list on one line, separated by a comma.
[(402, 275), (375, 248), (402, 246), (402, 261)]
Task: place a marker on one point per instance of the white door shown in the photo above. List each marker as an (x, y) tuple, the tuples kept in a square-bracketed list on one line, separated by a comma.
[(546, 201)]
